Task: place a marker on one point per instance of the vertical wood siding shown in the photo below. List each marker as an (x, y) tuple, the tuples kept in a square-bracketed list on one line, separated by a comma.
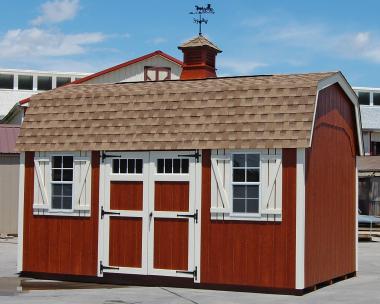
[(126, 195), (259, 254), (330, 190), (61, 245)]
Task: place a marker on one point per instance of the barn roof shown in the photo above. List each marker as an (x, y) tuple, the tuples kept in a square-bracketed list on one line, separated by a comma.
[(198, 42), (8, 136), (269, 111)]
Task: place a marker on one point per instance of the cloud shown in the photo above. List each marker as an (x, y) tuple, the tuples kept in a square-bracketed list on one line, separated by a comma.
[(157, 40), (35, 42), (57, 11), (240, 66), (360, 45)]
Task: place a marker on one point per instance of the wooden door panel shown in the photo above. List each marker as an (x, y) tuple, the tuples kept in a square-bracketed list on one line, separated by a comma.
[(125, 242), (171, 238), (126, 195), (171, 196)]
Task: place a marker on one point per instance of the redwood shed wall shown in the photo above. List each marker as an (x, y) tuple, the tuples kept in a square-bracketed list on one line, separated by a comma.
[(330, 189), (259, 254), (57, 244)]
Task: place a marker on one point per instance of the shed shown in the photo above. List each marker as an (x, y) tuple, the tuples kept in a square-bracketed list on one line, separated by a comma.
[(231, 182), (9, 179)]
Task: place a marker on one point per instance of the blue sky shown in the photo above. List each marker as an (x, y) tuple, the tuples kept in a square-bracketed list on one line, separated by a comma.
[(257, 37)]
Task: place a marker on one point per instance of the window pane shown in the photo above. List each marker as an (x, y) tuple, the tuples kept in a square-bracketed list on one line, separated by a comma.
[(56, 175), (123, 165), (6, 81), (160, 165), (376, 99), (239, 175), (176, 165), (131, 166), (56, 189), (253, 160), (139, 165), (25, 82), (168, 165), (185, 165), (62, 81), (56, 202), (364, 98), (115, 166), (239, 160), (66, 202), (253, 175), (67, 175), (67, 190), (252, 205), (44, 83), (57, 161), (68, 162), (252, 191), (239, 205), (239, 191)]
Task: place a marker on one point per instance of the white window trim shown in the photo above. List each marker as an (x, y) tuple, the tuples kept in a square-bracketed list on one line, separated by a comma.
[(224, 194), (231, 186), (45, 209)]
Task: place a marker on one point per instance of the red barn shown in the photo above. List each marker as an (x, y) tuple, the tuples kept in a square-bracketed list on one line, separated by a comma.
[(233, 182)]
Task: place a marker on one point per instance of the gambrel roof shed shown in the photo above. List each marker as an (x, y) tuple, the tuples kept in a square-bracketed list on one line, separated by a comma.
[(269, 111)]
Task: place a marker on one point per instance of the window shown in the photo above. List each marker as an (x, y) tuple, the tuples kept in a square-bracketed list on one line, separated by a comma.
[(364, 98), (130, 166), (44, 83), (173, 165), (62, 182), (62, 81), (6, 81), (245, 183), (156, 73), (375, 148), (25, 82), (376, 99)]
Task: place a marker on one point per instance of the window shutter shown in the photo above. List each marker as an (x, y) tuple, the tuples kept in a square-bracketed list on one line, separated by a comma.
[(271, 183), (41, 183), (82, 183), (220, 181)]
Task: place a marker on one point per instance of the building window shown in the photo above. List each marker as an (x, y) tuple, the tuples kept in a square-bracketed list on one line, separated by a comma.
[(25, 82), (62, 81), (44, 83), (6, 81), (173, 165), (62, 182), (127, 166), (376, 99), (375, 148), (245, 183), (364, 98), (156, 73)]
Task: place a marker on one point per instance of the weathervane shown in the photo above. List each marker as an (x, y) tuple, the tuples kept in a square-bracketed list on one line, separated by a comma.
[(199, 10)]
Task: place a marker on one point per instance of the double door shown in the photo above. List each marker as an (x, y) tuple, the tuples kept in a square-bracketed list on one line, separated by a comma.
[(148, 216)]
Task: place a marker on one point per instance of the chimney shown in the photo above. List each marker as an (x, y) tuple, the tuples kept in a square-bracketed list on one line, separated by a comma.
[(198, 58)]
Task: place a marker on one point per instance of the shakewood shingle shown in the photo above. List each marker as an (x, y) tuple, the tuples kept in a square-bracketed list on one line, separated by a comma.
[(274, 111)]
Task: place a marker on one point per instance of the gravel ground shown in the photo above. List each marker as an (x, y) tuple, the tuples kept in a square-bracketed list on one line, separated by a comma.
[(363, 289)]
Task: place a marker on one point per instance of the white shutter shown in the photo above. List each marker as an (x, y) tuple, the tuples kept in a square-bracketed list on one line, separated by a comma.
[(220, 182), (82, 183), (41, 183), (271, 183)]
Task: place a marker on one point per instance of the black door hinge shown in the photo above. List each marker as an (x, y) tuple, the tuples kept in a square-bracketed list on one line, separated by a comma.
[(104, 155), (196, 155), (194, 216), (102, 267), (103, 212), (194, 272)]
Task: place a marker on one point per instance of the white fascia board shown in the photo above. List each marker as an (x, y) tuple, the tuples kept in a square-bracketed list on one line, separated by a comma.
[(300, 219), (341, 80)]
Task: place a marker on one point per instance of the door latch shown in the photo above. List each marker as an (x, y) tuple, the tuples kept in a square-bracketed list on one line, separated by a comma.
[(194, 216), (103, 212), (194, 272), (102, 267)]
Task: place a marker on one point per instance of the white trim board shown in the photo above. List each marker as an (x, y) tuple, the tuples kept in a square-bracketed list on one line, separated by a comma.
[(341, 80), (300, 219), (21, 212)]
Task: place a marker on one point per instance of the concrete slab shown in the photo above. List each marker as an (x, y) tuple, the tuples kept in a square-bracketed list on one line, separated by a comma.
[(363, 289)]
